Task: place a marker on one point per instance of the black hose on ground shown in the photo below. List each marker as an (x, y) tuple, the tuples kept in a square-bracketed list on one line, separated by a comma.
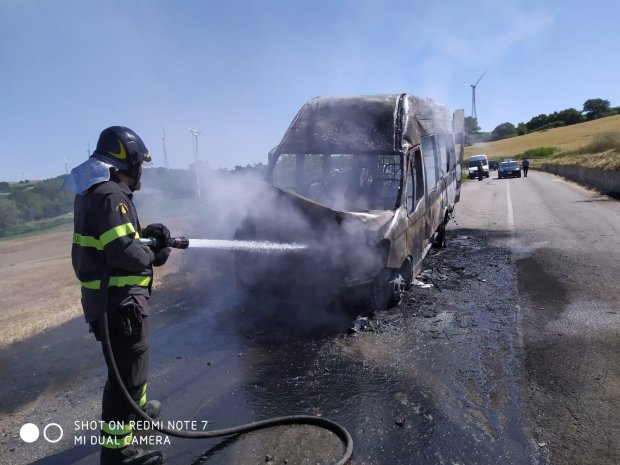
[(329, 425)]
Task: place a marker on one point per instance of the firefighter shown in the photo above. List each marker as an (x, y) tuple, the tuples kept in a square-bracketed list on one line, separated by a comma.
[(108, 258)]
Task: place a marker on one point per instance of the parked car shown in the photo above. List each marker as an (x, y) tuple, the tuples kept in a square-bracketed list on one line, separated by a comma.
[(493, 165), (472, 166), (509, 169), (369, 183)]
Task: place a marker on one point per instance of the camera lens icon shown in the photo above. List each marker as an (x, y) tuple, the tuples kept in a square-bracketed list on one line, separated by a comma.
[(52, 432), (29, 432), (55, 433)]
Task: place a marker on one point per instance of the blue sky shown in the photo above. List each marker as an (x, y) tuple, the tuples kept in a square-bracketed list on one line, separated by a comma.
[(240, 70)]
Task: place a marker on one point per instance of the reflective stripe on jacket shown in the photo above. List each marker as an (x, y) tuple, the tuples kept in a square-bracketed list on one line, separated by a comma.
[(106, 229)]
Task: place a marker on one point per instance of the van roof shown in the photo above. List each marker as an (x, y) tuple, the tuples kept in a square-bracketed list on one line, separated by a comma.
[(364, 124)]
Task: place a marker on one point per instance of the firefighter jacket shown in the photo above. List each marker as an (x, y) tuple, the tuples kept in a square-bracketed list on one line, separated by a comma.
[(106, 229)]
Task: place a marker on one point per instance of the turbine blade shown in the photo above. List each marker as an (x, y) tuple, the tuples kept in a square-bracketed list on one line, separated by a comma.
[(480, 78)]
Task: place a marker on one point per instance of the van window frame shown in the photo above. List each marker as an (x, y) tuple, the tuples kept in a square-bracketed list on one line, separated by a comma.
[(429, 168), (415, 181)]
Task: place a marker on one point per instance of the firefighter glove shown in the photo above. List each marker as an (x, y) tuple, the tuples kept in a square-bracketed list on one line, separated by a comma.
[(160, 233), (161, 257)]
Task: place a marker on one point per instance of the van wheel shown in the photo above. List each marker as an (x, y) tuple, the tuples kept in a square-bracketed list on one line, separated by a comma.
[(386, 292), (406, 272), (440, 238), (395, 288)]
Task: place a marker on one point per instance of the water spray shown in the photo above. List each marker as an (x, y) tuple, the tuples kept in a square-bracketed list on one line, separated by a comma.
[(223, 244)]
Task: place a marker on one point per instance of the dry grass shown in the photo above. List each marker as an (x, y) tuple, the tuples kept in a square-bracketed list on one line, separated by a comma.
[(39, 289), (606, 161), (568, 139)]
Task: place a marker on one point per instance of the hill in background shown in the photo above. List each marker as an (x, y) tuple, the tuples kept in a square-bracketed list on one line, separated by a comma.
[(594, 143)]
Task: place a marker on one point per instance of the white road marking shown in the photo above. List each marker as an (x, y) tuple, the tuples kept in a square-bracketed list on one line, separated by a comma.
[(510, 219)]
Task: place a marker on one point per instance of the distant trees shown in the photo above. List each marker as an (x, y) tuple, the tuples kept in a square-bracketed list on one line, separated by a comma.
[(25, 202), (471, 125), (596, 108), (9, 214), (536, 122), (472, 130), (554, 120), (503, 131)]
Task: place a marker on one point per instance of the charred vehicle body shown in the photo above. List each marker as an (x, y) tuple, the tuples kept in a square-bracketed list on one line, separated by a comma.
[(369, 184)]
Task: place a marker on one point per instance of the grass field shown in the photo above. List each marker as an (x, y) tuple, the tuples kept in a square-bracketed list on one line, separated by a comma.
[(39, 288), (576, 144)]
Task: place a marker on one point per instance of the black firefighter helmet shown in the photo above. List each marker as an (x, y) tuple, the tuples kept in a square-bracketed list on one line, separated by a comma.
[(122, 148)]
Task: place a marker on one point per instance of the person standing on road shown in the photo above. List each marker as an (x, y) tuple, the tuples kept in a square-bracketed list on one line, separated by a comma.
[(108, 258), (480, 170), (526, 166)]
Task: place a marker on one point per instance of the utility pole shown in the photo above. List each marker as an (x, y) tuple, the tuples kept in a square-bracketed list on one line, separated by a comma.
[(195, 133), (66, 166), (163, 139)]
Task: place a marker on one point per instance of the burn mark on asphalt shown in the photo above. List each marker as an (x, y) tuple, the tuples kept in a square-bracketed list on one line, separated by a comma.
[(544, 291)]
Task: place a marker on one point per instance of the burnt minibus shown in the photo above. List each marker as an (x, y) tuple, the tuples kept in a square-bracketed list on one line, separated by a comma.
[(368, 184)]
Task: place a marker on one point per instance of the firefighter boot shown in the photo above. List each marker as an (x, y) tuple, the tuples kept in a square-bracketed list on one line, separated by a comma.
[(152, 408), (130, 455)]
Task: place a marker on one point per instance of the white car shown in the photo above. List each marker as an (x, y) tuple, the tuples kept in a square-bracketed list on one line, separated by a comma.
[(472, 165)]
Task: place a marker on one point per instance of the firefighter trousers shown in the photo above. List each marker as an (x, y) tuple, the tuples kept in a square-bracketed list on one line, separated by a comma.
[(128, 325)]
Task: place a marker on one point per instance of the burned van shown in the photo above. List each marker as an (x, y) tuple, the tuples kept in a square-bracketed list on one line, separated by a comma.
[(368, 184)]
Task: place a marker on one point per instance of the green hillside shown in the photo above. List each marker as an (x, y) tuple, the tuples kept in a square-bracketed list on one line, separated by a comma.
[(595, 144)]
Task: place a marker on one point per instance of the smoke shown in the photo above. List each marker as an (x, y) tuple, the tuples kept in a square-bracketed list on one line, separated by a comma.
[(297, 289)]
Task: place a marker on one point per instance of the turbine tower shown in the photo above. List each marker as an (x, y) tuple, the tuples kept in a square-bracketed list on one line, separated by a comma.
[(195, 133), (163, 139), (473, 97)]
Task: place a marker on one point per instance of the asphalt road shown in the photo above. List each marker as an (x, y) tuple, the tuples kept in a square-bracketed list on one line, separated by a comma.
[(565, 246), (504, 352)]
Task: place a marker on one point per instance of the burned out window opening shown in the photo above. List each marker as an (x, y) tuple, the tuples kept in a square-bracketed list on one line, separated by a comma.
[(450, 146), (448, 154), (443, 155), (411, 188), (284, 175), (431, 168), (415, 183), (348, 182)]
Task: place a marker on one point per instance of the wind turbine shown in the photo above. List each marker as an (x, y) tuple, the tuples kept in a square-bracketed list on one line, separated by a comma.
[(166, 165), (195, 133), (473, 97)]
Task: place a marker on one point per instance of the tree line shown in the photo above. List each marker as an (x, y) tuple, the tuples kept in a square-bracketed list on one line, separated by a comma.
[(32, 201), (592, 109)]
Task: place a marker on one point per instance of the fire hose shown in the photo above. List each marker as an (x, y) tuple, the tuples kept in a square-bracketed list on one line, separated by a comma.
[(337, 429)]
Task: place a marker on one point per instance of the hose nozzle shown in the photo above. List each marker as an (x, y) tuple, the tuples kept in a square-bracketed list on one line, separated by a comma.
[(180, 242), (174, 242)]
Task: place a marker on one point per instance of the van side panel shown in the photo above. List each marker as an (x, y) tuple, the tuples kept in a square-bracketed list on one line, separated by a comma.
[(416, 210), (458, 129)]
